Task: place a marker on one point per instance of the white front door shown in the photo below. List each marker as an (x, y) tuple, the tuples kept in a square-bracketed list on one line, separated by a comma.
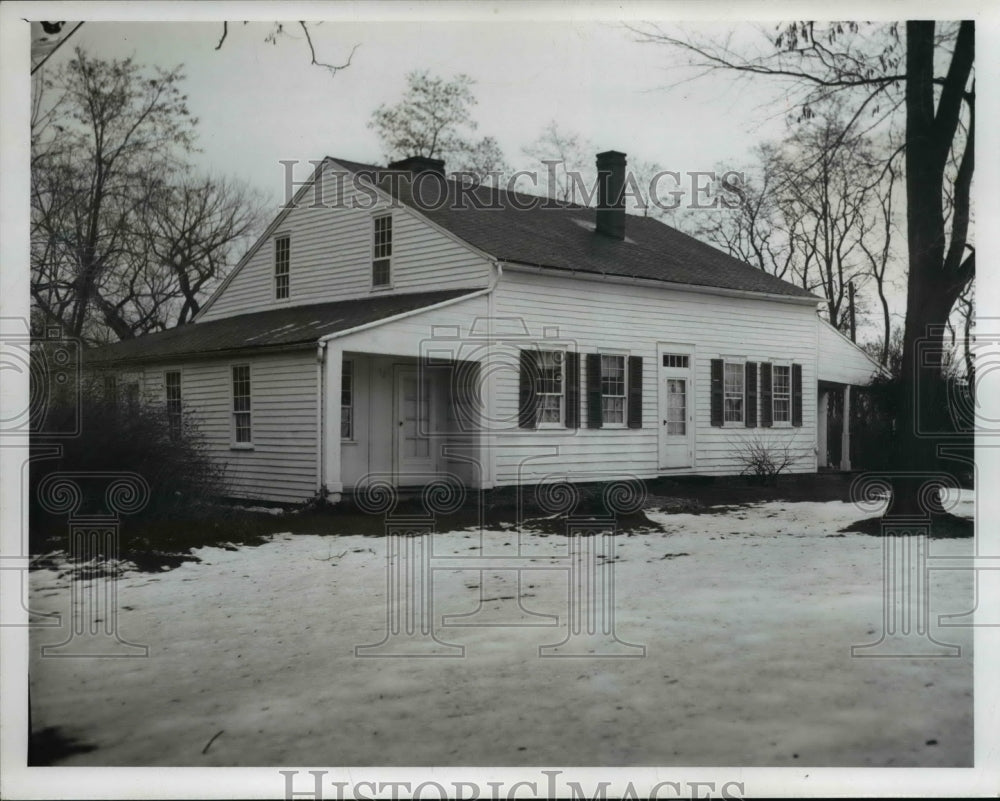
[(414, 456), (676, 408)]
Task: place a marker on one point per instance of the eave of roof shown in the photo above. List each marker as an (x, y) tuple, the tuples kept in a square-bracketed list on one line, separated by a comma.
[(273, 330)]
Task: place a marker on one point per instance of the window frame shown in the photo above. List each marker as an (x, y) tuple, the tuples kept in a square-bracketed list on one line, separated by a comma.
[(235, 442), (623, 355), (175, 418), (347, 371), (287, 273), (378, 217), (539, 394), (741, 362), (787, 396)]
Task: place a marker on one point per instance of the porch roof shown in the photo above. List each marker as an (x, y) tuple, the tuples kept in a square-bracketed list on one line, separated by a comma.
[(277, 329)]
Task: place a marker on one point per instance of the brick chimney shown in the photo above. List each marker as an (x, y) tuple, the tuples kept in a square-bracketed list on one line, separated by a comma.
[(610, 194), (419, 164)]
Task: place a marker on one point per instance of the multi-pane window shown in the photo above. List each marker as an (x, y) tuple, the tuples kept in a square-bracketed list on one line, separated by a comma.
[(241, 404), (676, 406), (282, 263), (172, 391), (675, 360), (781, 393), (347, 401), (111, 388), (612, 389), (382, 251), (550, 387), (733, 393)]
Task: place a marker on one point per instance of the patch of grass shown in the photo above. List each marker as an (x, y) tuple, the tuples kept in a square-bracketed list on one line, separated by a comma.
[(943, 527)]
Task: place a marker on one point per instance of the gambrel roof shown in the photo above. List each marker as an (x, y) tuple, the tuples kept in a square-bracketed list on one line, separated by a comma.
[(531, 230)]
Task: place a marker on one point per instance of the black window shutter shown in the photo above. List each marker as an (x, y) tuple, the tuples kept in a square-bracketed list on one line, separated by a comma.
[(635, 391), (572, 379), (766, 411), (528, 394), (716, 392), (796, 394), (751, 394), (595, 414)]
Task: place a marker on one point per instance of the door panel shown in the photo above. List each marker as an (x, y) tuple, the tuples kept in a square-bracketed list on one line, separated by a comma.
[(413, 452), (676, 439)]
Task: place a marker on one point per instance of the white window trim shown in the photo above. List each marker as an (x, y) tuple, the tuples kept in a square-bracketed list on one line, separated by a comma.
[(233, 444), (561, 423), (351, 440), (372, 286), (274, 267), (774, 422), (742, 362), (624, 354)]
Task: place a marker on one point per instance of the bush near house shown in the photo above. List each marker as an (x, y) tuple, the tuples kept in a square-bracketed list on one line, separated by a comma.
[(118, 434)]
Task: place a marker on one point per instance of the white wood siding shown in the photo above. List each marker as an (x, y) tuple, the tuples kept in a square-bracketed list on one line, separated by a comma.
[(281, 467), (594, 315), (840, 359), (331, 255)]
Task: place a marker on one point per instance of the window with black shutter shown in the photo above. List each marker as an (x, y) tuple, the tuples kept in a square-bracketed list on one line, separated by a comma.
[(635, 391), (716, 390), (765, 395), (595, 416), (751, 394), (796, 394), (572, 390)]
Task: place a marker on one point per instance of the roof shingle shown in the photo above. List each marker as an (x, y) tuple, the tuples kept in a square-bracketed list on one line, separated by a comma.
[(275, 328), (562, 236)]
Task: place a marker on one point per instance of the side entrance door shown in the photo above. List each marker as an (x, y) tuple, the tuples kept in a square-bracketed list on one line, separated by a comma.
[(676, 406), (412, 452)]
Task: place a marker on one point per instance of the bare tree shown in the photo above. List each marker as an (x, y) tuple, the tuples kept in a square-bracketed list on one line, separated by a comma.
[(878, 71), (434, 119), (110, 186), (557, 157), (48, 37)]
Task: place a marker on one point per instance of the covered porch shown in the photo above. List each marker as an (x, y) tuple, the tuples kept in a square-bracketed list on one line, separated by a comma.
[(402, 404)]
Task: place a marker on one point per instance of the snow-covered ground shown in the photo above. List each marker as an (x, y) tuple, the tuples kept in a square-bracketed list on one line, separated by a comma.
[(748, 618)]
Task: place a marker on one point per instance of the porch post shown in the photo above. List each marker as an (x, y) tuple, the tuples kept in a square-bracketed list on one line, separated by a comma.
[(822, 411), (845, 431), (330, 433)]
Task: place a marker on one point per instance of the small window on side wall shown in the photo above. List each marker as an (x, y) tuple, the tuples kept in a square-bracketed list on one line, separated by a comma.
[(282, 267), (382, 251), (242, 424), (172, 391)]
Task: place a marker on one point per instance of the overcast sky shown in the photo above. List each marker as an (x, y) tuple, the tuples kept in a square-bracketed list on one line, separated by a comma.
[(259, 104)]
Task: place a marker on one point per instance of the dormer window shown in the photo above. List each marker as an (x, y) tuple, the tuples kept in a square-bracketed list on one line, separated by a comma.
[(382, 251), (282, 267)]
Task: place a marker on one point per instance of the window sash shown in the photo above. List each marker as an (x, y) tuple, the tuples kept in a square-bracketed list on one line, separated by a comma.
[(551, 394), (733, 384), (172, 393), (613, 389), (382, 251), (282, 248), (241, 404), (781, 393)]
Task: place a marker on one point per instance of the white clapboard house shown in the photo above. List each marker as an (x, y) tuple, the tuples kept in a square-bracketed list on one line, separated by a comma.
[(394, 326)]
